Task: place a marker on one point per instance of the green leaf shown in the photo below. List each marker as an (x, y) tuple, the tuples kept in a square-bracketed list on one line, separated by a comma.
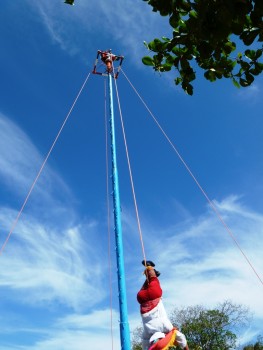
[(251, 54), (236, 83), (245, 66), (174, 20), (170, 60), (255, 71), (178, 80), (188, 88), (229, 47), (210, 75), (157, 60), (158, 45), (258, 68), (69, 2), (151, 46), (166, 67), (148, 61), (249, 78), (184, 64), (193, 14), (146, 45), (243, 82), (258, 53), (176, 50), (185, 6), (248, 37), (218, 75), (259, 65)]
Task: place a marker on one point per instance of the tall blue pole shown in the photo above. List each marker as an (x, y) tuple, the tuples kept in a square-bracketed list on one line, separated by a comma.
[(124, 325)]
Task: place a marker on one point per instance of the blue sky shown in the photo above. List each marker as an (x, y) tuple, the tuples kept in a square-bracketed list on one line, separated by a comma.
[(54, 276)]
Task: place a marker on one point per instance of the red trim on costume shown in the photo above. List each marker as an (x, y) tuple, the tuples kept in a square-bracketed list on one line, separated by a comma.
[(149, 295), (149, 305)]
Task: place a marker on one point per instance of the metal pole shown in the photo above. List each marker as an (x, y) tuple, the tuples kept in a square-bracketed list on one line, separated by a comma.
[(124, 325)]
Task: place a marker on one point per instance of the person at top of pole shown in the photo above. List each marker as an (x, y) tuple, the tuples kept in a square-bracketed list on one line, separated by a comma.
[(107, 57), (156, 324)]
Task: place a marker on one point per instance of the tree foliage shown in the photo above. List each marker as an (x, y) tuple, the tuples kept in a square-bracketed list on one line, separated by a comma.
[(136, 338), (207, 329), (69, 2), (212, 329), (205, 33), (257, 346)]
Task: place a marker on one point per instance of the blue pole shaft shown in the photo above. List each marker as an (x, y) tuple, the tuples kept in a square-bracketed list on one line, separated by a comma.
[(124, 325)]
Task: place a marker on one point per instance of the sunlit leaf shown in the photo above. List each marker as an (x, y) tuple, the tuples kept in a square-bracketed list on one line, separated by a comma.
[(148, 61)]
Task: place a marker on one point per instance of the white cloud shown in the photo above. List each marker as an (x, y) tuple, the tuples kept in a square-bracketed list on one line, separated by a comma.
[(20, 162), (128, 23), (201, 264), (46, 265), (76, 340), (49, 264), (99, 319), (55, 263), (77, 331), (47, 255), (18, 155), (91, 331)]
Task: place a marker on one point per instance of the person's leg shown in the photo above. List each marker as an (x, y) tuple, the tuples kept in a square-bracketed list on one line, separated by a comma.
[(165, 324)]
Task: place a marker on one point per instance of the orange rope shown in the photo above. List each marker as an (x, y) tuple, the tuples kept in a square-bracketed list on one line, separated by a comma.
[(41, 168), (197, 183), (131, 177), (108, 211)]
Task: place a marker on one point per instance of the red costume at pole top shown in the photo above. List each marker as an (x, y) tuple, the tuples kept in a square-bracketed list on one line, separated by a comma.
[(107, 58), (156, 324)]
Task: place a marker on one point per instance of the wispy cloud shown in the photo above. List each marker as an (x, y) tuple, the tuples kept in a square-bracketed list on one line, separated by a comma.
[(127, 23), (76, 331), (204, 264), (46, 260), (18, 155), (209, 259), (49, 264), (45, 265), (20, 162), (203, 268), (56, 264)]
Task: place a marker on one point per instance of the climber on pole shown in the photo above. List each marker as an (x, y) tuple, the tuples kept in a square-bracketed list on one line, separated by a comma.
[(107, 58), (158, 331)]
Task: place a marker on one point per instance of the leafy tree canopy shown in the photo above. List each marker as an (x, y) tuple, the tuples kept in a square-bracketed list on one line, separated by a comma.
[(257, 346), (212, 329), (205, 33), (207, 329)]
